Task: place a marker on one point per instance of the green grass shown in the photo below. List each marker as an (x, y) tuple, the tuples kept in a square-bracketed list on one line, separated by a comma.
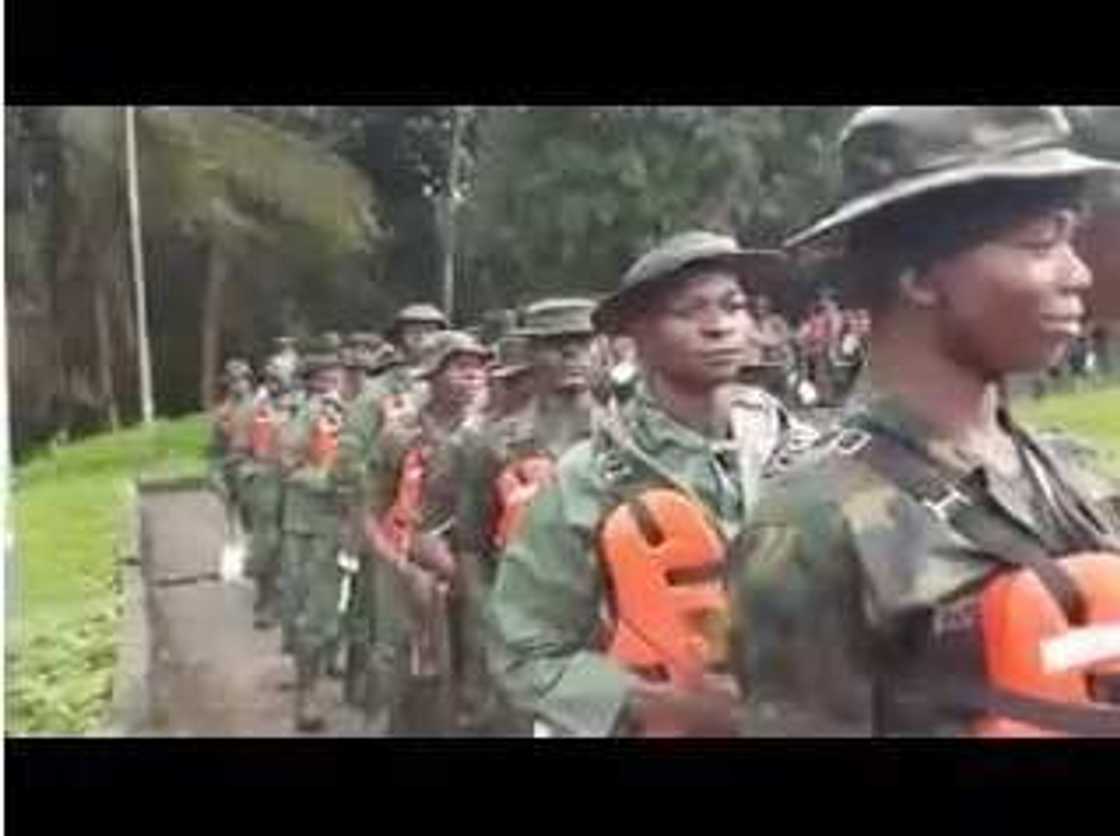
[(71, 515), (1092, 415)]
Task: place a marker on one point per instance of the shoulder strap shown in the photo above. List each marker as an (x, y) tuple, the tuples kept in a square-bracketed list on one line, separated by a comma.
[(953, 504)]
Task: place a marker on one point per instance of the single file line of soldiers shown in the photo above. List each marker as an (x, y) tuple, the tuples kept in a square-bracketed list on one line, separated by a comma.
[(603, 530)]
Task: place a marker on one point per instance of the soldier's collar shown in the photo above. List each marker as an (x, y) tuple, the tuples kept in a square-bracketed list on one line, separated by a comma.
[(890, 413), (657, 429)]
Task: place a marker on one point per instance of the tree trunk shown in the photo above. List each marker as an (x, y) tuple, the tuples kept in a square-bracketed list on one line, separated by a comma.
[(105, 351), (217, 270)]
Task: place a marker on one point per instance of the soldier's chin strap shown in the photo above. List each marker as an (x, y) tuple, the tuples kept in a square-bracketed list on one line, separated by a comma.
[(1001, 539)]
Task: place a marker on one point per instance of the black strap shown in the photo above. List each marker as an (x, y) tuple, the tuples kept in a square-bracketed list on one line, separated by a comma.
[(1003, 540), (1084, 719), (952, 502)]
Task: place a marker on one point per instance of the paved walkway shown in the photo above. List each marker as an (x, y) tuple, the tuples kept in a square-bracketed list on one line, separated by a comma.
[(213, 674)]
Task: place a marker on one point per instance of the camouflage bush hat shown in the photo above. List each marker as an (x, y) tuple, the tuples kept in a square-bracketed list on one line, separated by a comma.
[(419, 313), (557, 317), (671, 257), (320, 353), (512, 357), (236, 369), (446, 346), (384, 357), (891, 154)]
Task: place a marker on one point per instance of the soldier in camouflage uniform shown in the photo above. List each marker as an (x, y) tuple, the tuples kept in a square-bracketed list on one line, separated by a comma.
[(416, 567), (685, 307), (559, 334), (511, 378), (310, 574), (859, 581), (285, 355), (389, 367), (229, 455), (264, 489)]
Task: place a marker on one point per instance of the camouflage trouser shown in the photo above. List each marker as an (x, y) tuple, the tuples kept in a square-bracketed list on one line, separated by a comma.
[(264, 494), (474, 688), (309, 590), (264, 498), (415, 703), (478, 695)]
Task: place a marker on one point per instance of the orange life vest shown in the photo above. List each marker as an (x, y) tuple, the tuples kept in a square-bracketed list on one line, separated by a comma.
[(263, 433), (1031, 649), (323, 446), (392, 533), (670, 606), (518, 483)]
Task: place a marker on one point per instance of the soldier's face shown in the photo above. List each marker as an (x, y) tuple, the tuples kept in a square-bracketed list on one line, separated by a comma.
[(696, 336), (326, 380), (415, 337), (242, 386), (1012, 303), (563, 363), (461, 381)]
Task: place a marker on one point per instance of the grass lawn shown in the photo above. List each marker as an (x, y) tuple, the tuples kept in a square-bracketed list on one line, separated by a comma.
[(1093, 415), (71, 513)]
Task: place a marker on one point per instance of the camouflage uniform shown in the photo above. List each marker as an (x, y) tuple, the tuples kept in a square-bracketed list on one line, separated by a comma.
[(858, 583), (549, 608), (846, 584), (229, 452), (310, 574), (546, 426), (264, 490), (548, 600), (351, 476), (412, 645)]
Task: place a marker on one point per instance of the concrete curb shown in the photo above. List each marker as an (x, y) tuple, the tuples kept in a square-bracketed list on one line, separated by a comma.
[(169, 484), (130, 709)]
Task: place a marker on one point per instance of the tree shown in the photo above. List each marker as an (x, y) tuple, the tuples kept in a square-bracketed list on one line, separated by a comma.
[(564, 198)]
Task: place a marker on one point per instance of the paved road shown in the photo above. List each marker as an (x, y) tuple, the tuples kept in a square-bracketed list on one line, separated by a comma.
[(212, 673)]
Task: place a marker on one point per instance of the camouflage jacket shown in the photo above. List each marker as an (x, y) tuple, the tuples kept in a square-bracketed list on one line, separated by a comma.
[(483, 453), (229, 438), (402, 429), (357, 442), (848, 590), (547, 605), (310, 502)]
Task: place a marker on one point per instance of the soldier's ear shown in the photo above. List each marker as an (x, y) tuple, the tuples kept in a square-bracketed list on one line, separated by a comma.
[(916, 291)]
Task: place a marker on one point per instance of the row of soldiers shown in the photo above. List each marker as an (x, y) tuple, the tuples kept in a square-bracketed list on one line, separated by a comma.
[(681, 555)]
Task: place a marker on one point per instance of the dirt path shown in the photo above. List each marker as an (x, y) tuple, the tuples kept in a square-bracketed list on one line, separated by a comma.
[(213, 674)]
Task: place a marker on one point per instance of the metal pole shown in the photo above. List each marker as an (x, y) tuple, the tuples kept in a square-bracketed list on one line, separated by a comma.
[(147, 403), (449, 213), (7, 536)]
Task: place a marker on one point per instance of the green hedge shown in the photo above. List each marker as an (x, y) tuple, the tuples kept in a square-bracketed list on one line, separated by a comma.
[(71, 517)]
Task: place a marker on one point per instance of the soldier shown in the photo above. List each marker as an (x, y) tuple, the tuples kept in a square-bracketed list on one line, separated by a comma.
[(229, 455), (390, 380), (566, 618), (877, 586), (511, 379), (284, 352), (413, 328), (367, 358), (502, 465), (310, 575), (411, 518), (264, 488)]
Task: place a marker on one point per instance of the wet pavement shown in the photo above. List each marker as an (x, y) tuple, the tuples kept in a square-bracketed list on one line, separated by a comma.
[(212, 674)]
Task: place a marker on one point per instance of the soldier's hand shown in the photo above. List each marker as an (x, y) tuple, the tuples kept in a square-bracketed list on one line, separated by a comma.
[(714, 709), (432, 553)]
